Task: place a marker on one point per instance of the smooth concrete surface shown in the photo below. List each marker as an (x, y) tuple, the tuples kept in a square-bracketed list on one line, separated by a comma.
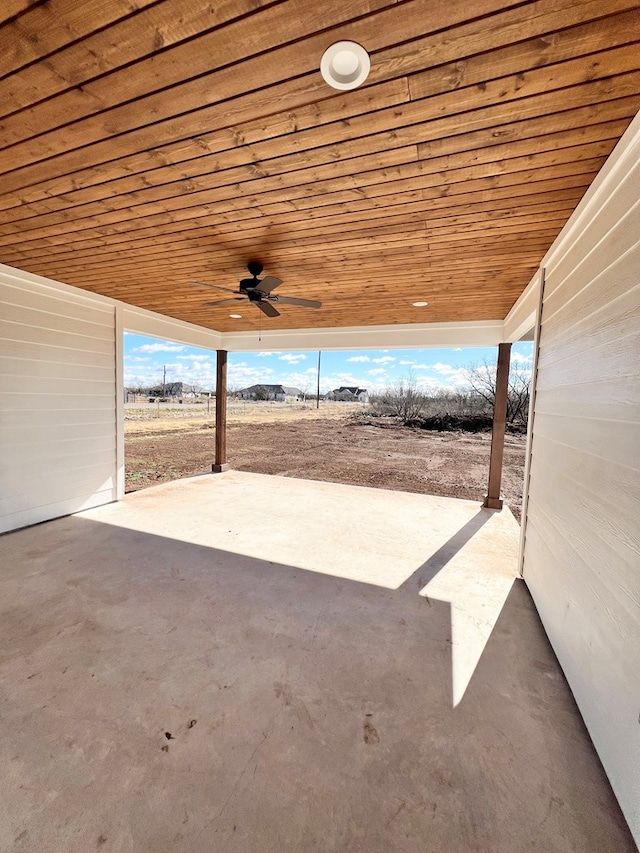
[(258, 664)]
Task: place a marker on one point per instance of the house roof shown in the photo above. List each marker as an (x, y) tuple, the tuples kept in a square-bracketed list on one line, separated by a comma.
[(276, 389), (148, 145)]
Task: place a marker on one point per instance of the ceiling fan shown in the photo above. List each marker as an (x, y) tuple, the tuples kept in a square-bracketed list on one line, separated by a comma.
[(259, 292)]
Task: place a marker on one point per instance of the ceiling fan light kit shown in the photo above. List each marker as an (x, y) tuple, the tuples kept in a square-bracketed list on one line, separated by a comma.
[(345, 65)]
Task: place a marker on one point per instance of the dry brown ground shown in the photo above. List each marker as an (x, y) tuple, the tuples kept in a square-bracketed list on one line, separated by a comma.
[(326, 445)]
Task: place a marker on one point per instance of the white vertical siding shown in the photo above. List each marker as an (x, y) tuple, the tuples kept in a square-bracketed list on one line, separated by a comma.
[(57, 402), (581, 556)]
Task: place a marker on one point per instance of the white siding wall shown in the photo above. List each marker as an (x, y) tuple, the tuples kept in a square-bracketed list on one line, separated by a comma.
[(58, 449), (581, 542)]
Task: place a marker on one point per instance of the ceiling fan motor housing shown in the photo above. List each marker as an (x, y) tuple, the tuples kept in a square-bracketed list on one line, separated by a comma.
[(247, 283)]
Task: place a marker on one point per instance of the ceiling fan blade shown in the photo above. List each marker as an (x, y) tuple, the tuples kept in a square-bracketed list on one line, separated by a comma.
[(267, 308), (269, 283), (292, 300), (212, 286), (226, 301)]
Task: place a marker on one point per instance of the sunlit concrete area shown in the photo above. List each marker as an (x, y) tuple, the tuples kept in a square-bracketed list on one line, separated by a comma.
[(258, 664)]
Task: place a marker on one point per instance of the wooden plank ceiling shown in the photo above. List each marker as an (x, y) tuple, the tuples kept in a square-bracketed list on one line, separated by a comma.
[(146, 144)]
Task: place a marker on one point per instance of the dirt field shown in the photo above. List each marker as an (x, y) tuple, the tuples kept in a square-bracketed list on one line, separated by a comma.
[(326, 445)]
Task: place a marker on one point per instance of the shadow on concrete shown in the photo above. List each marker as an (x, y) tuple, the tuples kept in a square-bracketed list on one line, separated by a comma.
[(184, 698), (438, 560)]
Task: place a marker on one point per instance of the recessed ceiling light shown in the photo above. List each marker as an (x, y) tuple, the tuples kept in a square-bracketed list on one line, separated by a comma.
[(236, 316), (419, 304), (345, 65)]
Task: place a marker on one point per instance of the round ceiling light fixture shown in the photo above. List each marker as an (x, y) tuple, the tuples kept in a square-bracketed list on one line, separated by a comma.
[(419, 304), (345, 65), (236, 316)]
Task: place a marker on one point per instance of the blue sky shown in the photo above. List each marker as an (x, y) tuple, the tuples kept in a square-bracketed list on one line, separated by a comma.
[(144, 359)]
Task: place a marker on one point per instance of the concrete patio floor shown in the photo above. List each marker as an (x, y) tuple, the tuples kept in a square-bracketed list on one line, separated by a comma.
[(258, 664)]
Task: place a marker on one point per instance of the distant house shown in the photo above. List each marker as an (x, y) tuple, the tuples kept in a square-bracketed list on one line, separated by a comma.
[(349, 393), (279, 393), (170, 389)]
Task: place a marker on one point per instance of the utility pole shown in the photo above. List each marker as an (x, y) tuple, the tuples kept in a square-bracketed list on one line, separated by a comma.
[(164, 380), (318, 389)]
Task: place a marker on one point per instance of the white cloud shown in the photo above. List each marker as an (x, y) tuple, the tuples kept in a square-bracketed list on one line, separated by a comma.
[(377, 371), (297, 380), (384, 360), (405, 363), (444, 369), (438, 367), (195, 357), (263, 354), (242, 375), (311, 370), (359, 358), (293, 358), (159, 347)]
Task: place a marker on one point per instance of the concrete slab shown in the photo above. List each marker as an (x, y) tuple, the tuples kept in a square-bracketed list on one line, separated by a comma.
[(246, 663)]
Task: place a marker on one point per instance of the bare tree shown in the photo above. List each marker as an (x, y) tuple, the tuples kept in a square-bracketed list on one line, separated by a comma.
[(482, 379), (403, 400)]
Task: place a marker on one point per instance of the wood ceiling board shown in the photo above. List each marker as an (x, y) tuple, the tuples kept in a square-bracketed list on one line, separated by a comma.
[(392, 262), (155, 27), (455, 182), (262, 184), (70, 142), (13, 8), (469, 196), (436, 217), (544, 24), (157, 248), (530, 136), (467, 201), (403, 124), (279, 34), (235, 200), (379, 164), (566, 119), (543, 160), (168, 165), (401, 226), (47, 27)]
